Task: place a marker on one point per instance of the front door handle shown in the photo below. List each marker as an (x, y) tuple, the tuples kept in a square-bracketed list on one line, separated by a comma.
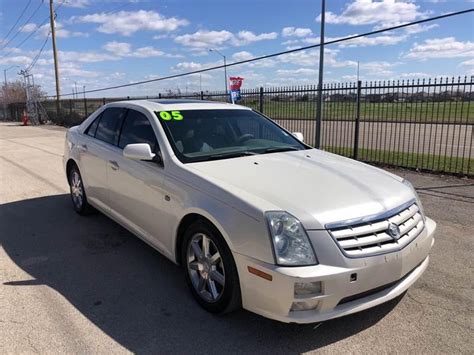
[(113, 165)]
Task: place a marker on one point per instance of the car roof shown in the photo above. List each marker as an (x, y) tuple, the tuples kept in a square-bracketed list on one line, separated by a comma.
[(180, 104)]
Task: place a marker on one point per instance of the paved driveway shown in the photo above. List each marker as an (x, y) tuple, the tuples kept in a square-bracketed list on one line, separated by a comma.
[(75, 284)]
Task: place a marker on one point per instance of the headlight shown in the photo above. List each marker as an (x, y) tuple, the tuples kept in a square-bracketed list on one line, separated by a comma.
[(418, 201), (290, 241)]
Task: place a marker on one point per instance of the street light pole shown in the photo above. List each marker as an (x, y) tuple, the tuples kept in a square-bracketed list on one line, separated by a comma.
[(225, 67)]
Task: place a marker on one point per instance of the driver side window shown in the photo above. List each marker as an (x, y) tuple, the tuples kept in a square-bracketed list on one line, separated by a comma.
[(137, 129)]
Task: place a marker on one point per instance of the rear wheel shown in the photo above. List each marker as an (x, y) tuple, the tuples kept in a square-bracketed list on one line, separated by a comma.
[(78, 193), (210, 269)]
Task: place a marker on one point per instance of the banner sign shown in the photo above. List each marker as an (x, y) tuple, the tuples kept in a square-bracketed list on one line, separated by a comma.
[(235, 84)]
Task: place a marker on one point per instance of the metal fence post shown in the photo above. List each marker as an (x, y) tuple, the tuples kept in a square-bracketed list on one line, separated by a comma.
[(85, 107), (202, 95), (357, 122), (260, 104)]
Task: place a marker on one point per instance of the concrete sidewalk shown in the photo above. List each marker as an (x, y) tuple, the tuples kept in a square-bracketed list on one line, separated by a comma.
[(84, 284)]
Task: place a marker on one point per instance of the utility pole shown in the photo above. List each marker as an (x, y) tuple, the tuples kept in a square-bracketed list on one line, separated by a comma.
[(52, 17), (319, 104)]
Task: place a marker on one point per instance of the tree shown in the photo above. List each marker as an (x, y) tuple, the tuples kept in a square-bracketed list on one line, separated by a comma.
[(15, 92)]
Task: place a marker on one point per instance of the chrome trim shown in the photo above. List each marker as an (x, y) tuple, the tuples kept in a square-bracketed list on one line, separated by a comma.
[(385, 216), (371, 218)]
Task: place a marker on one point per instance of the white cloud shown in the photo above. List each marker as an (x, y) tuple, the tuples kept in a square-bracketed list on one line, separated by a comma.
[(420, 28), (204, 39), (43, 31), (147, 52), (189, 66), (368, 12), (85, 57), (124, 49), (447, 47), (467, 63), (21, 60), (118, 48), (415, 75), (299, 71), (245, 37), (29, 27), (71, 69), (296, 32), (76, 3), (310, 58), (243, 55), (377, 68), (129, 22), (385, 40)]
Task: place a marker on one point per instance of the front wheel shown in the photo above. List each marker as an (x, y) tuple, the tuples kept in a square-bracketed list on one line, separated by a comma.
[(78, 193), (210, 269)]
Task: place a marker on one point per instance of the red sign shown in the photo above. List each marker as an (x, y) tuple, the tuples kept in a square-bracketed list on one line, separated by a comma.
[(235, 83)]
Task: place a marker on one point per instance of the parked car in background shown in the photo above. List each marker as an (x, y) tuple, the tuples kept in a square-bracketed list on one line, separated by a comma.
[(255, 217)]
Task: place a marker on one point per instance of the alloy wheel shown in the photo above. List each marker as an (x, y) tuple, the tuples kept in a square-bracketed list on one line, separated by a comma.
[(205, 268), (77, 190)]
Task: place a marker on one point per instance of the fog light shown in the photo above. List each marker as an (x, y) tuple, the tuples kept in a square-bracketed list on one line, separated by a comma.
[(307, 288), (304, 305)]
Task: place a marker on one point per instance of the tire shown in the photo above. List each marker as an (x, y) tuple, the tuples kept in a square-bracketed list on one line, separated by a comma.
[(78, 193), (213, 279)]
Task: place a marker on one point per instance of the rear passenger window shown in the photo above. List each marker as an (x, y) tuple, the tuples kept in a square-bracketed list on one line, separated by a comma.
[(109, 125), (137, 129)]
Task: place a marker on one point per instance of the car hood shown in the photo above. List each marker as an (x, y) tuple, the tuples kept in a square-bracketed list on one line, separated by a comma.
[(315, 186)]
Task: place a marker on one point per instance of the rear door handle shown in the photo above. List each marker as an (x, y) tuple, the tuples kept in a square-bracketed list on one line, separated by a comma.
[(113, 165)]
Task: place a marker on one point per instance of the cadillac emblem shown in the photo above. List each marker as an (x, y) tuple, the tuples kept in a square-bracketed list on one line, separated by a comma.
[(393, 231)]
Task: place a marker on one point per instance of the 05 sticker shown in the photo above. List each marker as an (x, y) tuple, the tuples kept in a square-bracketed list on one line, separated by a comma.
[(171, 115)]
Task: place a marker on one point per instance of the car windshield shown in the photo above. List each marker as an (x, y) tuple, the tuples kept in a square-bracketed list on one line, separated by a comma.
[(202, 135)]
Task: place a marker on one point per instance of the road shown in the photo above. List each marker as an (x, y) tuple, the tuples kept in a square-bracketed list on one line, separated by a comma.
[(75, 284), (438, 139)]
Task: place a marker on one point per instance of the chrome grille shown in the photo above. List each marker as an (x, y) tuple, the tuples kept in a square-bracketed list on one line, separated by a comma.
[(372, 237)]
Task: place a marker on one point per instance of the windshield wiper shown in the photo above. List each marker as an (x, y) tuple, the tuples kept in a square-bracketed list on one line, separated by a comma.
[(280, 149), (229, 155)]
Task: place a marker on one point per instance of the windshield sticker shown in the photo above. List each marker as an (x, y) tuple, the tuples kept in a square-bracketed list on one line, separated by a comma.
[(168, 116)]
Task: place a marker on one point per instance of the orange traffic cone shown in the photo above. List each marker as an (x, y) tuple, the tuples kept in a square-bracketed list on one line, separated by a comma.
[(24, 118)]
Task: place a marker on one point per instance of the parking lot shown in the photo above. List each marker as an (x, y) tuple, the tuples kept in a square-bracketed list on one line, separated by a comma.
[(85, 284)]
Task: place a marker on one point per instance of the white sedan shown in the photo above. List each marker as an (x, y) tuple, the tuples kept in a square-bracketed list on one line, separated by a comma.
[(257, 218)]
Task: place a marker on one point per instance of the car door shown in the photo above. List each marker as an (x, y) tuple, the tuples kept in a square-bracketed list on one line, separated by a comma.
[(99, 139), (136, 187)]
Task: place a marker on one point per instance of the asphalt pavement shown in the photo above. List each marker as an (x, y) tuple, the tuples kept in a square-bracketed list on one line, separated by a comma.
[(71, 284)]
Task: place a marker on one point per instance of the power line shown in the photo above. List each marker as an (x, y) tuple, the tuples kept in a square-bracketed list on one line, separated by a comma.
[(24, 24), (33, 32), (35, 59), (17, 20), (343, 39), (27, 37)]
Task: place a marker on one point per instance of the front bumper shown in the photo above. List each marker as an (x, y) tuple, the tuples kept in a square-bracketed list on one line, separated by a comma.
[(351, 286)]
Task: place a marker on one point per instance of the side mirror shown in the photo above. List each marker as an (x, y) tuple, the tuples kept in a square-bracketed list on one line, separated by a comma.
[(298, 135), (138, 151)]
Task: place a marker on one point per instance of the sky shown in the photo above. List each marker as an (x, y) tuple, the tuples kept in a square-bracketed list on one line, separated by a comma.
[(111, 42)]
